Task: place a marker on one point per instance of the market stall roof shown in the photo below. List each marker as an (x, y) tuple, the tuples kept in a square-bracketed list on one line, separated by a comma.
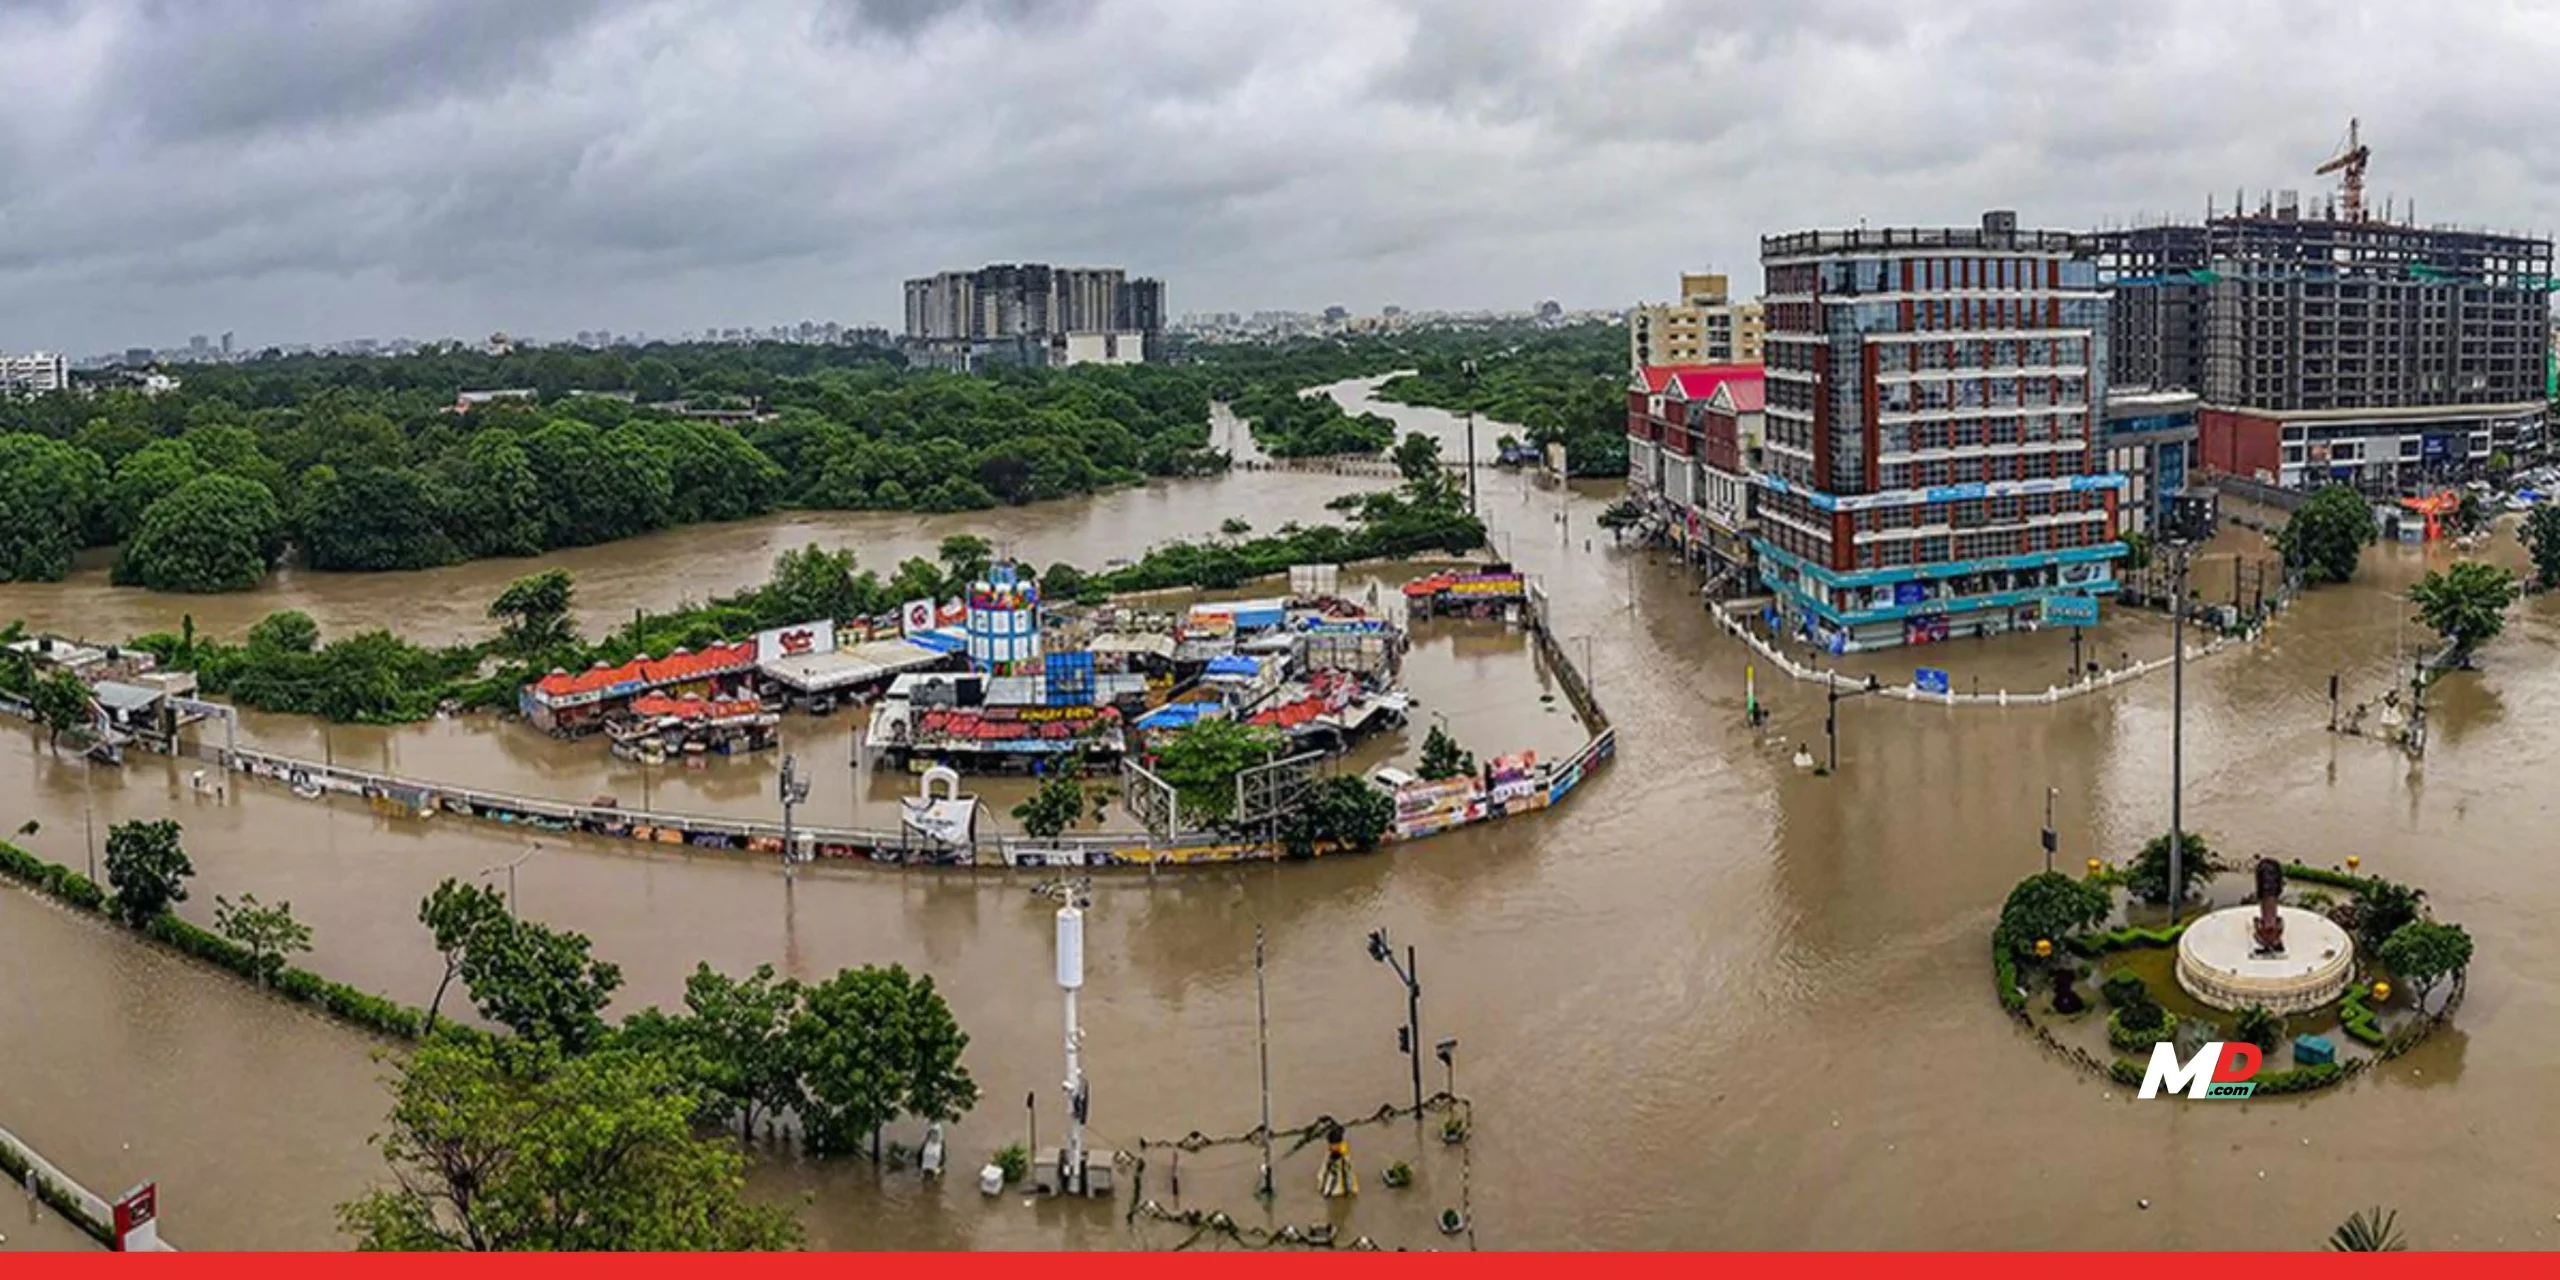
[(1177, 715), (1150, 643), (1249, 615), (1033, 691), (562, 688), (858, 664), (123, 699), (1235, 665)]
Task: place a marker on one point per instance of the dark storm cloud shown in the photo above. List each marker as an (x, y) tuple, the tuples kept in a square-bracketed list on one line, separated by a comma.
[(306, 171)]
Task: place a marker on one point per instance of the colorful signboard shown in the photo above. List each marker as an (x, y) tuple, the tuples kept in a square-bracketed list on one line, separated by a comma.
[(2071, 611), (804, 640), (915, 616), (1929, 680), (1936, 494), (1506, 585)]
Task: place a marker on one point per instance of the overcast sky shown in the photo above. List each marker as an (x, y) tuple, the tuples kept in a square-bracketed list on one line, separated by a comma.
[(303, 170)]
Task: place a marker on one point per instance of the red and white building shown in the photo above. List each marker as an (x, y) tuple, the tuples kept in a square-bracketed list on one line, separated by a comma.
[(1693, 441)]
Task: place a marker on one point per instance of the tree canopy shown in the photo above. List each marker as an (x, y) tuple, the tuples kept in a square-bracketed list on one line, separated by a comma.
[(1201, 764), (2050, 906), (2466, 603), (874, 1044), (2148, 877), (2540, 534), (148, 869), (499, 1147), (216, 532), (2328, 534)]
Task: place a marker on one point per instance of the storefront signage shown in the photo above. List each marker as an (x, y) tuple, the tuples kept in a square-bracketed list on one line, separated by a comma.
[(2071, 611), (1506, 584), (1940, 493), (1348, 627), (795, 642), (915, 616)]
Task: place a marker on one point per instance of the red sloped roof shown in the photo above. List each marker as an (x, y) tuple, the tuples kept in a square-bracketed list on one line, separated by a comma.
[(1749, 395), (719, 659), (1699, 382)]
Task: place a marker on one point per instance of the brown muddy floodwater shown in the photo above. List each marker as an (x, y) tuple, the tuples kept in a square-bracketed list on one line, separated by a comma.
[(1713, 1002)]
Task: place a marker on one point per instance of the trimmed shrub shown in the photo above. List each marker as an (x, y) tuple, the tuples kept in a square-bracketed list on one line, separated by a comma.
[(59, 883), (2298, 1079), (2126, 1072), (2140, 1026), (2004, 971), (2123, 988), (2356, 1018), (2119, 939), (2323, 875)]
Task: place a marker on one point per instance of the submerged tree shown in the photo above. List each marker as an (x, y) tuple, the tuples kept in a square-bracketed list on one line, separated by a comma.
[(2369, 1231), (2198, 864), (2466, 604), (2328, 534), (497, 1146)]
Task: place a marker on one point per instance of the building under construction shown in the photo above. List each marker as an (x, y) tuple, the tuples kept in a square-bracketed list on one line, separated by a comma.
[(2330, 345)]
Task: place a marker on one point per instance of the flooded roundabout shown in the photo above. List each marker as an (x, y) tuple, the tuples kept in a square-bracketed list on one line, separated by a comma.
[(1717, 1002)]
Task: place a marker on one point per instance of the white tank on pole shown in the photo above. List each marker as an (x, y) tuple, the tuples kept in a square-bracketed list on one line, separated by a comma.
[(1071, 1172)]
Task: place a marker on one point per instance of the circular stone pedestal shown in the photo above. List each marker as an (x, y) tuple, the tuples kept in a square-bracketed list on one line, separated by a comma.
[(2216, 963)]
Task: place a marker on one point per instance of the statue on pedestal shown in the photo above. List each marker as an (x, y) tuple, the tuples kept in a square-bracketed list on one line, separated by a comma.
[(2268, 932)]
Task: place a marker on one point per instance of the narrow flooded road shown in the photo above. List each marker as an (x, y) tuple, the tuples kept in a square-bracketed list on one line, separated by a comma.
[(1715, 1002)]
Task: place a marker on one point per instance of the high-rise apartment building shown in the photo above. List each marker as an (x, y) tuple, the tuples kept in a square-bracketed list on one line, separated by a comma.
[(1932, 464), (1025, 314), (34, 374), (2336, 349), (1705, 327)]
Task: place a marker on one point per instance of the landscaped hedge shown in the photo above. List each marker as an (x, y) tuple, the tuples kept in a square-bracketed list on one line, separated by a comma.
[(2004, 970), (347, 1004), (2119, 939), (2130, 1038), (2319, 1075), (2356, 1017), (57, 882), (55, 1194), (2126, 1072), (2322, 875)]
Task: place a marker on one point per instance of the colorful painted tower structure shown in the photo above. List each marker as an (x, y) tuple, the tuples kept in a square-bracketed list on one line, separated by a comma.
[(1004, 623)]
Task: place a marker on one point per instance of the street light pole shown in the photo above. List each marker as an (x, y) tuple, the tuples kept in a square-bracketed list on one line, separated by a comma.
[(531, 848), (2050, 839), (2178, 734), (1469, 367), (1411, 1032), (1262, 1034), (794, 791)]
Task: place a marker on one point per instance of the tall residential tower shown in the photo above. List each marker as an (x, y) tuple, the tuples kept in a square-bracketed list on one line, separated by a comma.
[(1933, 464)]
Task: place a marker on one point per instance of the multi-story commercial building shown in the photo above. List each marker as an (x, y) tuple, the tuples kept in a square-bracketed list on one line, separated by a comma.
[(1693, 442), (2339, 349), (1705, 327), (1933, 464), (2151, 442), (37, 373), (1027, 314)]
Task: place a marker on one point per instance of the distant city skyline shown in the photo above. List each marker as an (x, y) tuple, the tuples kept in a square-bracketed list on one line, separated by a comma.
[(297, 174)]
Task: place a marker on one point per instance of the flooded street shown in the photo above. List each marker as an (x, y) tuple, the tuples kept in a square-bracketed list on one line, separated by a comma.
[(1713, 1002)]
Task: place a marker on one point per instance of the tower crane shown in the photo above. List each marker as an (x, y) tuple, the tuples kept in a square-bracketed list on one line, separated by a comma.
[(2351, 162)]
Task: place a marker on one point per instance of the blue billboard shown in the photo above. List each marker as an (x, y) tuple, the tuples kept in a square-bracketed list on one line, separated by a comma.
[(1929, 680), (2071, 611)]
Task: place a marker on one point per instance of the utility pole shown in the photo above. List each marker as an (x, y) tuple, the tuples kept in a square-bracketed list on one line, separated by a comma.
[(1469, 368), (1262, 1034), (794, 791), (2077, 670), (2178, 734), (2051, 841), (1409, 1036), (1831, 715)]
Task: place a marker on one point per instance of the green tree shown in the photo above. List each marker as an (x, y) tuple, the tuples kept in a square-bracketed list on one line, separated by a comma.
[(148, 869), (874, 1044), (215, 533), (540, 983), (48, 493), (2370, 1231), (1056, 806), (458, 914), (1201, 764), (497, 506), (512, 1148), (1062, 582), (2423, 953), (2466, 604), (654, 380), (2050, 906), (1344, 812), (2137, 552), (2259, 1026), (2148, 877), (1426, 481), (535, 612), (964, 558), (284, 631), (2380, 909), (372, 519), (736, 1033), (146, 475), (62, 704), (2540, 534), (1442, 759), (811, 583), (270, 934), (2328, 534)]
